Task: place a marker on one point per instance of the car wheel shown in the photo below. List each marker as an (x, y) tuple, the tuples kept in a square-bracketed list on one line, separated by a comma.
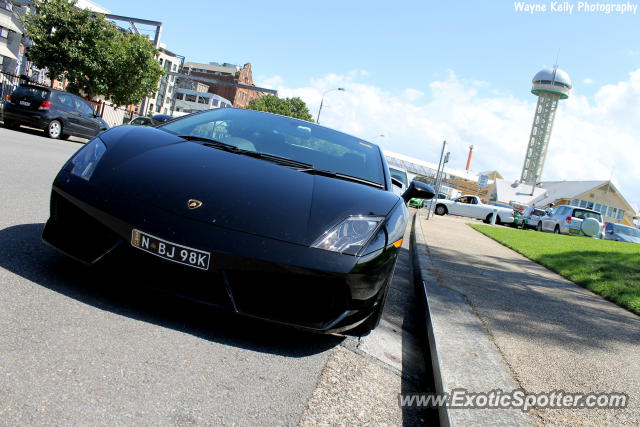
[(539, 226), (487, 220), (372, 321), (556, 230), (368, 325), (441, 210), (54, 129)]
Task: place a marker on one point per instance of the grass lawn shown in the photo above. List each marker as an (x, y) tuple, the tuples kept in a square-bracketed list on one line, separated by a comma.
[(610, 269)]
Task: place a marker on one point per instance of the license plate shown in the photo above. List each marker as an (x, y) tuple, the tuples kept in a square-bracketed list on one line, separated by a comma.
[(25, 103), (170, 251), (573, 230)]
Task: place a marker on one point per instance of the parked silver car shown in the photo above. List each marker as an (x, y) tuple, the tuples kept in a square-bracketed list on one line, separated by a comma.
[(567, 219), (621, 233)]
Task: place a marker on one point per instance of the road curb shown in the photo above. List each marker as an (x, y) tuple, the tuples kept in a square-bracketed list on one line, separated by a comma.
[(463, 355)]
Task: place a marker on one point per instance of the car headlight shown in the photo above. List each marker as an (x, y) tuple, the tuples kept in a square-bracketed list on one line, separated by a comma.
[(350, 235), (85, 161)]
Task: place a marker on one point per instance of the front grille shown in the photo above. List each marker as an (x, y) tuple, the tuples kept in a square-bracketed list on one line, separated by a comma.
[(75, 232), (302, 299), (143, 269)]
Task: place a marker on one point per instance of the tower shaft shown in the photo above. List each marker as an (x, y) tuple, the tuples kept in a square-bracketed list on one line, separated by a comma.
[(539, 138)]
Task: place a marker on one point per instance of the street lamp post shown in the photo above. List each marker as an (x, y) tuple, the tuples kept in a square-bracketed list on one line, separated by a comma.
[(322, 101)]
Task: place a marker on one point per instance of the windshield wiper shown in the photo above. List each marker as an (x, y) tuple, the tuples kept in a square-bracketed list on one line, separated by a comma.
[(331, 174), (208, 142)]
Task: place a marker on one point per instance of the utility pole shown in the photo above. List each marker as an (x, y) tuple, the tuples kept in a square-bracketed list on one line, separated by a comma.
[(444, 145)]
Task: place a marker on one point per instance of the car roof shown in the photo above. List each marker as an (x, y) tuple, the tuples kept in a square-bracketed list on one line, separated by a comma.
[(578, 207), (619, 225), (50, 89)]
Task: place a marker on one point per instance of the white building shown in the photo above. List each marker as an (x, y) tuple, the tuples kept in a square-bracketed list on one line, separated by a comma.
[(161, 102), (10, 37), (191, 100), (87, 4)]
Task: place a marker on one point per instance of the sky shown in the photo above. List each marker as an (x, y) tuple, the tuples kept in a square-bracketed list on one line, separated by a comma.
[(420, 72)]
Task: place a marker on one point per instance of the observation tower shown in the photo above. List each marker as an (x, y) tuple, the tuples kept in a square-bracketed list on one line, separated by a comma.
[(551, 85)]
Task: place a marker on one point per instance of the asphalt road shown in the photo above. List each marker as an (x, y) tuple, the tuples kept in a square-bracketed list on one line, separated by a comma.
[(78, 349)]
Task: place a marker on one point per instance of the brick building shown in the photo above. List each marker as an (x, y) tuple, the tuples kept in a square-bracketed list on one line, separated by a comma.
[(240, 97)]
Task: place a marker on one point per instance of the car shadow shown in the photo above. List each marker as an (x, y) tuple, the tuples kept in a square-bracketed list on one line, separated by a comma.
[(42, 134), (23, 253)]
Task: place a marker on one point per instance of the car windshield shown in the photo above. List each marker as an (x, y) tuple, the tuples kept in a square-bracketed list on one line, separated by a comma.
[(628, 231), (583, 214), (323, 148)]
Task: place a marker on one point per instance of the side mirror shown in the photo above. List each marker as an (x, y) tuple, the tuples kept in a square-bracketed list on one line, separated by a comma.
[(418, 190)]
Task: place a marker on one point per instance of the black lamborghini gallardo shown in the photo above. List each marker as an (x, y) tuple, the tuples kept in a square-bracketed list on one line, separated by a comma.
[(264, 215)]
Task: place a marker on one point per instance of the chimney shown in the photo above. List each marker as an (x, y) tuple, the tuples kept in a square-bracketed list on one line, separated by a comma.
[(469, 158)]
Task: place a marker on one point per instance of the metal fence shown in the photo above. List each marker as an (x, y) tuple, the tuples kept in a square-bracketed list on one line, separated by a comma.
[(8, 82)]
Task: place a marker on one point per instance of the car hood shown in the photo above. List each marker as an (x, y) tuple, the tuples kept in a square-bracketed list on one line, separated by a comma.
[(237, 192), (628, 239)]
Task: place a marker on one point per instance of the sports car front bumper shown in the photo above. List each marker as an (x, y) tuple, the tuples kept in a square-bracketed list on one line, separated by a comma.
[(303, 287)]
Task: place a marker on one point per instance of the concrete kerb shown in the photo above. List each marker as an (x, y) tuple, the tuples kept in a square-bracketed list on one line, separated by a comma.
[(462, 353)]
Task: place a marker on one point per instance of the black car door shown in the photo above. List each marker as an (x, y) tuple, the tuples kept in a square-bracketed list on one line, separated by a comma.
[(88, 124), (64, 108)]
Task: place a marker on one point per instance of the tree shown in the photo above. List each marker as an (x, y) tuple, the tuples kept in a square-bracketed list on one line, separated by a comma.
[(91, 53), (292, 107)]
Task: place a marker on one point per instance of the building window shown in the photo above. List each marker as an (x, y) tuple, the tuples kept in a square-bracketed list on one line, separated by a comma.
[(597, 207), (6, 5), (583, 203), (4, 33), (620, 214), (174, 68), (179, 96), (203, 100), (190, 98), (158, 108), (575, 202)]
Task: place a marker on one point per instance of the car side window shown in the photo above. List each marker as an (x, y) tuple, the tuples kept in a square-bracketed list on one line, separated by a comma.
[(83, 108), (65, 101)]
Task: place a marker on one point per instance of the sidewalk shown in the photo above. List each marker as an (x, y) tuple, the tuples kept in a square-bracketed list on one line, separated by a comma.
[(551, 334)]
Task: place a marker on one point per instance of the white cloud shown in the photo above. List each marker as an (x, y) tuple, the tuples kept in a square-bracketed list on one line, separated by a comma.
[(412, 95), (592, 135)]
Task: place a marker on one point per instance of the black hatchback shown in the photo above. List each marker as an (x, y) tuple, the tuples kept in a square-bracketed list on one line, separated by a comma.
[(59, 113)]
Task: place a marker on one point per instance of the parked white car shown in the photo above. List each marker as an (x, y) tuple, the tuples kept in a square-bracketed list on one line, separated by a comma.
[(472, 207), (567, 219)]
